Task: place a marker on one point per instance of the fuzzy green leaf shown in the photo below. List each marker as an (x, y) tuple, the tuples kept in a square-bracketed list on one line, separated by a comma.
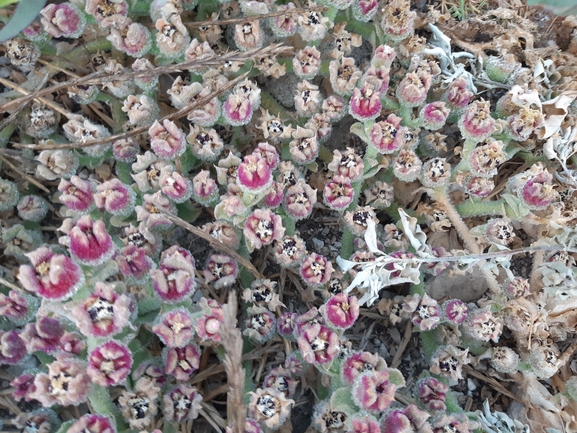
[(23, 16)]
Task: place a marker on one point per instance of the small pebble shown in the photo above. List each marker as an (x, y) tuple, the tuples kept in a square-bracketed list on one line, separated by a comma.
[(318, 243)]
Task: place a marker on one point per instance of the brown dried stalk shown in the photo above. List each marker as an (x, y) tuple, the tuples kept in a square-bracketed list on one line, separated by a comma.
[(176, 115), (100, 77), (232, 342)]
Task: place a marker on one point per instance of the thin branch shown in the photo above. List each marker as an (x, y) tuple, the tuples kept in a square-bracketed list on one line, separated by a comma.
[(24, 175), (100, 77), (215, 243), (232, 343), (176, 115), (25, 92)]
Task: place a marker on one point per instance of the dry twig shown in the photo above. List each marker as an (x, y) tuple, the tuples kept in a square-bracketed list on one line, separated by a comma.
[(232, 343)]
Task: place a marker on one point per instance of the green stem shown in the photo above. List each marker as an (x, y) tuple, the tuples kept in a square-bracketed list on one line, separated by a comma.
[(102, 404), (468, 147), (274, 108), (470, 208)]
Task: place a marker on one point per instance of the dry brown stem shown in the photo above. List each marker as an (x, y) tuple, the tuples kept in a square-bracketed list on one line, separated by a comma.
[(232, 343), (102, 77)]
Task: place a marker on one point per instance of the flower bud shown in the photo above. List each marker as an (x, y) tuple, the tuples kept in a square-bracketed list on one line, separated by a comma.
[(357, 219), (397, 20), (269, 407), (479, 186), (237, 109), (312, 25), (63, 20), (54, 164), (412, 90), (379, 195), (286, 325), (173, 281), (299, 200), (145, 83), (104, 10), (434, 115), (125, 149), (208, 325), (77, 194), (365, 104), (32, 208), (181, 362), (373, 391), (484, 326), (476, 123), (42, 121), (93, 424), (432, 393), (167, 140), (304, 148), (90, 242), (149, 214), (18, 241), (425, 312), (455, 311), (284, 25), (307, 62), (289, 251), (129, 37), (388, 136), (248, 35), (13, 348), (262, 227), (9, 195), (449, 361), (174, 185), (458, 95), (499, 231), (115, 197), (365, 10)]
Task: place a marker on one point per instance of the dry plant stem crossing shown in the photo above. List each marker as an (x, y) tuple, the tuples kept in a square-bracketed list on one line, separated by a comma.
[(100, 77), (232, 343), (440, 195)]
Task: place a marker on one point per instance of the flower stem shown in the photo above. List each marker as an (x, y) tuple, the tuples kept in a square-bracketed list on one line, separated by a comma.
[(470, 208), (102, 404)]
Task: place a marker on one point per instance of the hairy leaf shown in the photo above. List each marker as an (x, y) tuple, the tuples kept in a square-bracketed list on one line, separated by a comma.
[(23, 16)]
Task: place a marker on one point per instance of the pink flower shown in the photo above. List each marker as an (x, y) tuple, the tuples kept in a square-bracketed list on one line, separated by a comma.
[(104, 313), (485, 160), (434, 115), (286, 325), (167, 140), (372, 391), (109, 363), (538, 192), (275, 196), (262, 227), (269, 153), (205, 189), (175, 328), (361, 423), (174, 279), (254, 174), (134, 263), (181, 403), (388, 136), (458, 95), (365, 10), (484, 326), (479, 186), (115, 197), (23, 386), (90, 243), (175, 186), (172, 37), (341, 311), (77, 194), (455, 311), (51, 276), (412, 90), (307, 62), (316, 270), (347, 164), (12, 347), (448, 361), (410, 419), (304, 147), (318, 344), (432, 393), (299, 200), (359, 362), (129, 37), (66, 383), (63, 21), (91, 423), (248, 35), (32, 208), (43, 335), (150, 216), (284, 25), (334, 108), (476, 123), (237, 109), (15, 306), (365, 104), (181, 362), (220, 270), (290, 251), (338, 193)]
